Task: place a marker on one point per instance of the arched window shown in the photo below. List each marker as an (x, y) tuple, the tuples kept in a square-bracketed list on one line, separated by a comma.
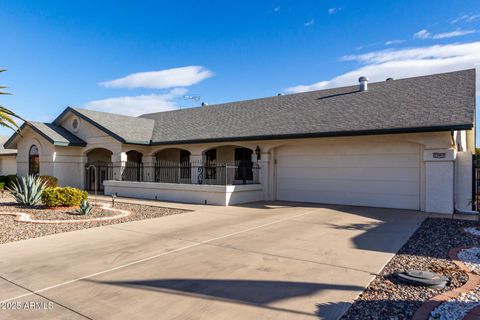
[(33, 161)]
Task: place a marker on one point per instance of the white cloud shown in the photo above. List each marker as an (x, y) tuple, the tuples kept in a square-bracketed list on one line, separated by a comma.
[(422, 34), (309, 23), (169, 78), (393, 42), (452, 34), (466, 18), (403, 63), (137, 105), (333, 10)]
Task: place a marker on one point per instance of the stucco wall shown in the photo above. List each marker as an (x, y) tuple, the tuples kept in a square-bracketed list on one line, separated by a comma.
[(188, 193), (8, 164)]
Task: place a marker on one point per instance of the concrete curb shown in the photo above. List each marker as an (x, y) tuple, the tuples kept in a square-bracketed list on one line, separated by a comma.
[(473, 281)]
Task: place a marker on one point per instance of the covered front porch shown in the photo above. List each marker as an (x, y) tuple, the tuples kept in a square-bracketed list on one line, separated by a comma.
[(220, 175)]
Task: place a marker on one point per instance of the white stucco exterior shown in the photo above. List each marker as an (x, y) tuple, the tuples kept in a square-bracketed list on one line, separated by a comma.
[(428, 171), (8, 164), (187, 193)]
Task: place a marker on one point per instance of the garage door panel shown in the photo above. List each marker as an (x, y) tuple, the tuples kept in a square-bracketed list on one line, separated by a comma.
[(397, 174), (367, 174), (357, 199), (342, 186), (359, 160), (351, 148)]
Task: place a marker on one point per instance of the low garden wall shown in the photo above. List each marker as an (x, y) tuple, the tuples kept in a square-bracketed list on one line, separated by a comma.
[(187, 193)]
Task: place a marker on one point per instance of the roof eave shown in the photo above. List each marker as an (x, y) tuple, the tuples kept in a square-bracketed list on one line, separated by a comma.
[(323, 134), (6, 145), (98, 126)]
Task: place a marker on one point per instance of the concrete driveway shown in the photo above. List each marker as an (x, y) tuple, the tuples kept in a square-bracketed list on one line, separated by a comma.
[(260, 261)]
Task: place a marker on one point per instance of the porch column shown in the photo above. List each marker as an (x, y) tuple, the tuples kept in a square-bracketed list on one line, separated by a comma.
[(119, 161), (148, 162), (264, 173), (83, 172), (197, 162), (439, 180)]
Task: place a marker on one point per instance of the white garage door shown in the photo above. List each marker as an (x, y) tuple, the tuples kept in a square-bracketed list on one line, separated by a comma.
[(353, 173)]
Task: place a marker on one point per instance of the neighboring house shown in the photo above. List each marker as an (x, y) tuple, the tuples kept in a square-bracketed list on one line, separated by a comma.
[(404, 143), (8, 162)]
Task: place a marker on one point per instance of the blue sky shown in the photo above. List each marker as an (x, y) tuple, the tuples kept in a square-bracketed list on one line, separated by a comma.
[(134, 57)]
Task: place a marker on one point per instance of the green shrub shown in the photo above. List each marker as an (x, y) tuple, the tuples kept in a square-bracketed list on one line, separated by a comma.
[(52, 182), (63, 197), (2, 185), (8, 180), (27, 190)]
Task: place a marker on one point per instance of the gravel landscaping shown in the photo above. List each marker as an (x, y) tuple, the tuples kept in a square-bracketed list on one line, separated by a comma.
[(387, 297), (457, 308), (44, 213), (11, 230)]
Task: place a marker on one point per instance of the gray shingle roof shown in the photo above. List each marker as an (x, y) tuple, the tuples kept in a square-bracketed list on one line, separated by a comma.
[(426, 103), (126, 129), (4, 151), (436, 102), (56, 135)]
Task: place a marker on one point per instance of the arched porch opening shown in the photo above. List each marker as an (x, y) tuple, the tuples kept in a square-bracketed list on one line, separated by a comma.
[(229, 164), (133, 170), (98, 168), (173, 165)]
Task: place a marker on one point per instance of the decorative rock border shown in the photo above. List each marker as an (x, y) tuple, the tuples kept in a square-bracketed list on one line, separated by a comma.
[(472, 230), (25, 217), (423, 313)]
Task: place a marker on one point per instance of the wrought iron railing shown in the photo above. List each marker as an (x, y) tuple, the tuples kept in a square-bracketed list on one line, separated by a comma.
[(188, 172)]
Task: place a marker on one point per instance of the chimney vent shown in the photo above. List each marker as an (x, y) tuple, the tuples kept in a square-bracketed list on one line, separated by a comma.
[(280, 94), (390, 79), (363, 83), (204, 104)]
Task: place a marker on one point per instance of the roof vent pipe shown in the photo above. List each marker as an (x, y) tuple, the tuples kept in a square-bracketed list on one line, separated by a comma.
[(204, 104), (363, 83), (389, 79), (280, 94)]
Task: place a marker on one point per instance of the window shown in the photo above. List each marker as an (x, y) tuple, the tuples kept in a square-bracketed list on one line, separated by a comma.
[(33, 161), (75, 124)]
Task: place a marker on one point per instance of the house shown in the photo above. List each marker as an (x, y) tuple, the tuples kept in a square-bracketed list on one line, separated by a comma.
[(404, 143), (8, 163)]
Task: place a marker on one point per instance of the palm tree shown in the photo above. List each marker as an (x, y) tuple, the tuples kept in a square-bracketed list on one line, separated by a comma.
[(6, 114)]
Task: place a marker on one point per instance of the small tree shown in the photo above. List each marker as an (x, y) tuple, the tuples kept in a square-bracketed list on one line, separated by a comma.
[(6, 115)]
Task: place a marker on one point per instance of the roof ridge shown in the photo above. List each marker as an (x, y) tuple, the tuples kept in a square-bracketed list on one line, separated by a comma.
[(299, 93)]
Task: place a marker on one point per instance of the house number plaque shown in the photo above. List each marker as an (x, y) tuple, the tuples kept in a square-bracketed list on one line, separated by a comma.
[(439, 155)]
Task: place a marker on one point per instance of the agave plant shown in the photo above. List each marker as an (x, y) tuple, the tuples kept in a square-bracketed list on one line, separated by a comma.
[(85, 208), (28, 190)]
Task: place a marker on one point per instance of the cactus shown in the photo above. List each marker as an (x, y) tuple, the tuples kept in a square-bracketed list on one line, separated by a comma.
[(85, 208), (28, 190)]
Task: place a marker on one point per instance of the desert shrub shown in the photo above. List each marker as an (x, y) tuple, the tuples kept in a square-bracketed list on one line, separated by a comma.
[(85, 208), (63, 197), (52, 182), (2, 185), (28, 190)]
